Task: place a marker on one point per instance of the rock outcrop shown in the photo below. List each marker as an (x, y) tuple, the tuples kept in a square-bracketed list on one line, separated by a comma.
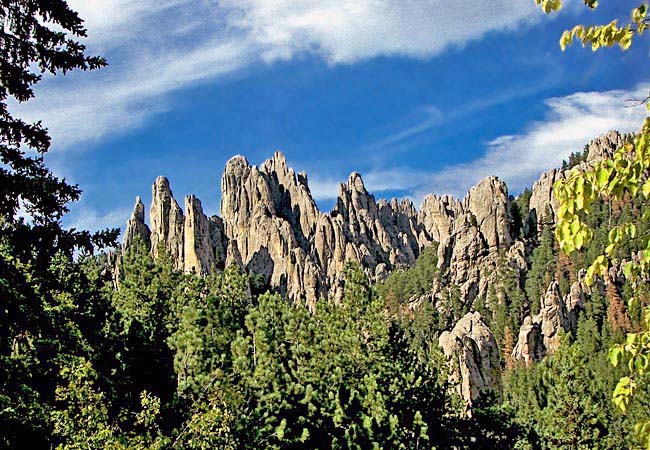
[(473, 356), (473, 233), (270, 225), (272, 219), (540, 335), (167, 222), (136, 229), (543, 205), (197, 249)]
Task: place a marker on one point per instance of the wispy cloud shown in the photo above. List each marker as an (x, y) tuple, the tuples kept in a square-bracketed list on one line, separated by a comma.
[(402, 140), (350, 31), (156, 47), (571, 122), (84, 218), (324, 188)]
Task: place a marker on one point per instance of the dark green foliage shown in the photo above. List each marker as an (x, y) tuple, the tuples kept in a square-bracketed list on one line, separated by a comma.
[(209, 312), (519, 208), (542, 269), (404, 285), (38, 36), (333, 379), (140, 328), (510, 306), (47, 319), (491, 426), (565, 400), (49, 305), (576, 158)]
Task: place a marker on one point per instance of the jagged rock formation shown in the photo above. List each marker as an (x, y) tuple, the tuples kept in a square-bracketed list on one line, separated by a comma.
[(278, 231), (543, 205), (471, 233), (438, 214), (473, 356), (197, 247), (540, 335), (135, 227), (604, 146), (271, 226), (167, 222)]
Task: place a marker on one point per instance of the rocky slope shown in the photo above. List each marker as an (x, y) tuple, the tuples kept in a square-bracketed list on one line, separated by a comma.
[(271, 226)]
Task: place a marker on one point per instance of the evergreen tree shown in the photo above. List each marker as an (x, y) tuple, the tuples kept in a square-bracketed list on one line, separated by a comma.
[(39, 281), (141, 327), (542, 269), (332, 379), (211, 311)]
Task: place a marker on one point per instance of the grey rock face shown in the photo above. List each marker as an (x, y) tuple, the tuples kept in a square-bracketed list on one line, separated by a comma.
[(540, 335), (473, 356), (437, 216), (543, 205), (488, 202), (271, 226), (136, 228), (270, 215), (472, 234), (530, 343), (197, 249), (167, 222), (218, 240), (542, 201), (604, 146)]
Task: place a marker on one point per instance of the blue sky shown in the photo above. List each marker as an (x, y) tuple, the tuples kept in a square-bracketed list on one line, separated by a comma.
[(418, 95)]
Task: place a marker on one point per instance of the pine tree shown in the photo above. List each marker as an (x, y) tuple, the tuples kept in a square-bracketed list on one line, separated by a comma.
[(39, 282), (508, 347), (141, 327), (542, 269)]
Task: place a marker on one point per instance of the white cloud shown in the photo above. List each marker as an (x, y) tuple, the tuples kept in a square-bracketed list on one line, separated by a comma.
[(84, 218), (155, 47), (345, 32), (571, 122), (324, 188), (112, 102), (376, 181)]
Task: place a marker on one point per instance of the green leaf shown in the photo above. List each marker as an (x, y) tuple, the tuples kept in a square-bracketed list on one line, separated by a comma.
[(615, 356), (645, 190)]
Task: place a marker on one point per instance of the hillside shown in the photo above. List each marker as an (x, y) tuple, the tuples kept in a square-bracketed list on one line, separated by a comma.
[(483, 272)]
